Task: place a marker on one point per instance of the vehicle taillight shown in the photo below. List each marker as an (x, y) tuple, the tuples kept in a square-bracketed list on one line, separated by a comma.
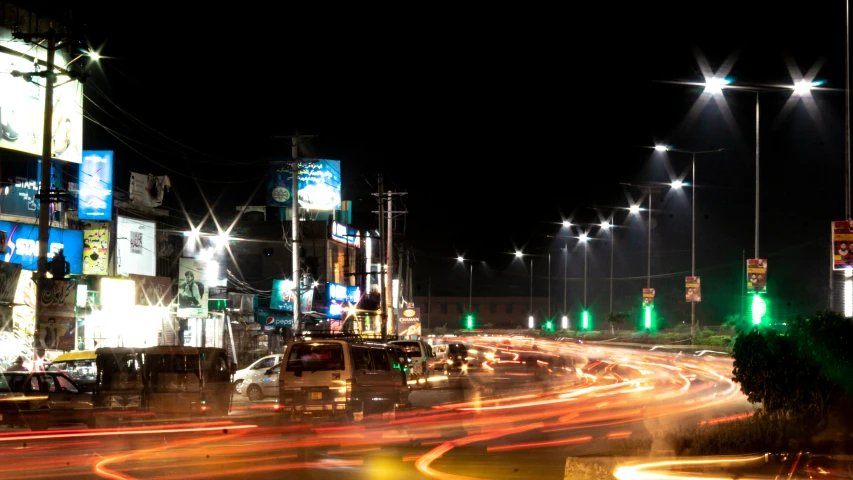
[(349, 388)]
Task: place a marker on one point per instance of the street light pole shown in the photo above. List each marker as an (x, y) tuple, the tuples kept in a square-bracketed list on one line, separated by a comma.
[(649, 263), (693, 249), (470, 287), (584, 273), (566, 279), (612, 242), (531, 286), (549, 285)]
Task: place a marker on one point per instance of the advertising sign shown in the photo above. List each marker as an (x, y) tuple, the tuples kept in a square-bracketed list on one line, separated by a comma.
[(9, 275), (273, 318), (756, 274), (283, 296), (409, 321), (192, 292), (339, 295), (648, 296), (95, 195), (693, 289), (345, 235), (57, 299), (22, 103), (96, 247), (136, 242), (22, 245), (319, 185), (20, 198), (842, 244), (153, 291)]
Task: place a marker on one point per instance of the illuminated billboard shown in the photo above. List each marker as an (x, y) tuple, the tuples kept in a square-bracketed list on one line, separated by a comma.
[(283, 296), (95, 196), (345, 235), (339, 295), (319, 185), (22, 245), (22, 103)]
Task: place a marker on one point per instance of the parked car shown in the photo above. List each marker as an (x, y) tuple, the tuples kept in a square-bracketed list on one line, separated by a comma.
[(348, 378), (41, 399), (260, 365), (261, 384), (421, 360)]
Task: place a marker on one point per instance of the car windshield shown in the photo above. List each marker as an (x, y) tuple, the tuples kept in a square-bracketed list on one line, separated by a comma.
[(315, 357)]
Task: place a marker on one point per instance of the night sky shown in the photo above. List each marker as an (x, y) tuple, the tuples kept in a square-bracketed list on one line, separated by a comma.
[(499, 124)]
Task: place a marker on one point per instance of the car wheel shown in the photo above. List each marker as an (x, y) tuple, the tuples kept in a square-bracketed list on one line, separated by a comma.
[(254, 393), (237, 385)]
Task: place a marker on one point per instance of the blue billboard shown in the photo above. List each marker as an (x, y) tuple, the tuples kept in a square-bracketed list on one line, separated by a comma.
[(95, 198), (272, 318), (283, 296), (319, 185), (338, 295), (22, 245)]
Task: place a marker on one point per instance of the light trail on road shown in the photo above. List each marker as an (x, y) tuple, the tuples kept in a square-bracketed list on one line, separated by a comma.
[(606, 395)]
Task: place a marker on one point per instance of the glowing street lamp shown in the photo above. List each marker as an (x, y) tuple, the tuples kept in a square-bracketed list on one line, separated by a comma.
[(635, 209), (677, 184), (567, 223), (714, 85), (661, 148)]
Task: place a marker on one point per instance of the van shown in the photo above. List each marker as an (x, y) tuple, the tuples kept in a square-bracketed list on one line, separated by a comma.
[(451, 357), (421, 360), (347, 378)]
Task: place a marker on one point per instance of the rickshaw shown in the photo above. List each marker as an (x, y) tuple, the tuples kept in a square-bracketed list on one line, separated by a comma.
[(80, 366), (187, 381)]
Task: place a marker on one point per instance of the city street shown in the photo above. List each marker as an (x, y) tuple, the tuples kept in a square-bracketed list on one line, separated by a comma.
[(503, 420)]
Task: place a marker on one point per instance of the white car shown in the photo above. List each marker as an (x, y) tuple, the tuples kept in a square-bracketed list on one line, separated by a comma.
[(259, 365), (261, 384)]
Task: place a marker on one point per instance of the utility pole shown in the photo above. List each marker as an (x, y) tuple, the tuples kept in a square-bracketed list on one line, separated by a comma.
[(429, 300), (52, 39), (383, 275), (386, 234), (549, 285)]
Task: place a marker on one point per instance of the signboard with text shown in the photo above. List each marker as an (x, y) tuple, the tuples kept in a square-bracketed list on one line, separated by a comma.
[(22, 245), (95, 196), (842, 244), (408, 322), (96, 247), (273, 318), (56, 322), (345, 235), (339, 295), (283, 297), (319, 184)]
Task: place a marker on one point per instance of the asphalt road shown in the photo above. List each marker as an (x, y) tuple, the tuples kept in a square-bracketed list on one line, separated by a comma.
[(505, 420)]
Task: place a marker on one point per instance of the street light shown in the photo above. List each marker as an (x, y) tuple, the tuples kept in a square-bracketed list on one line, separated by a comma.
[(676, 184), (692, 221), (635, 209), (520, 254), (584, 239), (461, 260)]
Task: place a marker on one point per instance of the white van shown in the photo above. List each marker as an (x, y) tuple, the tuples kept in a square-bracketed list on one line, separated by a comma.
[(342, 377), (421, 360)]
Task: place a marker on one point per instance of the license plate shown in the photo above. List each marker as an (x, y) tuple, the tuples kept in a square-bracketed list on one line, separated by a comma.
[(316, 395)]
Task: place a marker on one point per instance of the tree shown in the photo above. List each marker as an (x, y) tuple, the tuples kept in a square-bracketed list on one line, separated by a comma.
[(617, 319)]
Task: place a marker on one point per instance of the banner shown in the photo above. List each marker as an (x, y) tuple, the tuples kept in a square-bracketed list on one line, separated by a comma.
[(9, 275), (153, 291), (148, 190), (96, 248), (842, 244), (319, 185), (283, 296), (22, 101), (192, 293), (408, 321), (694, 292), (273, 318), (95, 195), (56, 322), (648, 296), (756, 274)]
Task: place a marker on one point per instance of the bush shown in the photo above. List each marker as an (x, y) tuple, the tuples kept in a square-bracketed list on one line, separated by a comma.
[(760, 433)]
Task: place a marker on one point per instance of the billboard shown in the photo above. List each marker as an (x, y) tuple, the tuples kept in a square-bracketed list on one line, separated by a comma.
[(136, 245), (22, 103), (283, 296), (56, 322), (345, 235), (96, 248), (192, 292), (756, 274), (319, 185), (9, 275), (648, 296), (20, 198), (338, 295), (272, 318), (22, 245), (153, 291), (409, 322), (95, 195), (693, 290), (842, 244)]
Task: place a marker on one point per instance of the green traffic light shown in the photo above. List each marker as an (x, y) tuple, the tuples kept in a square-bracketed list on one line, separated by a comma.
[(549, 325), (470, 322), (759, 309), (585, 320), (648, 317)]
